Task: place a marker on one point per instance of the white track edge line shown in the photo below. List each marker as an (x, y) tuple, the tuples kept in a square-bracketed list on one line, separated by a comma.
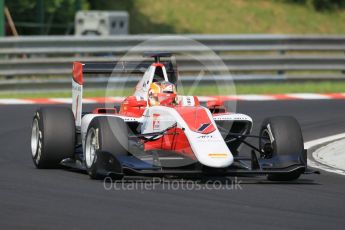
[(314, 163)]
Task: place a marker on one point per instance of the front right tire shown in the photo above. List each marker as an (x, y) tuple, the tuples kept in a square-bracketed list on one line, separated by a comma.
[(282, 137)]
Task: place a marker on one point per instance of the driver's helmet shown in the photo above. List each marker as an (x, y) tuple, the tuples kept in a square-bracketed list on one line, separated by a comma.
[(162, 93)]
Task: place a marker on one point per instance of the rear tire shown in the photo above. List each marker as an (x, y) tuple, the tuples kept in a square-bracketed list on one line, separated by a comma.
[(105, 134), (52, 136), (284, 138)]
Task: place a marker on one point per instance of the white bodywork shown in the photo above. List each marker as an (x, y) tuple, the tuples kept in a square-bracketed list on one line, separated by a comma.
[(86, 120), (143, 86), (77, 96), (209, 149), (233, 117)]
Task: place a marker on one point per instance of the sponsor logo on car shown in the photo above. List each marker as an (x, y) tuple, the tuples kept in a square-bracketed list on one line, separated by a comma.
[(218, 155)]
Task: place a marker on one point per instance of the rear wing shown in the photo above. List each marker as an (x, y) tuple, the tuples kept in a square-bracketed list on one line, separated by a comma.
[(109, 68), (122, 67)]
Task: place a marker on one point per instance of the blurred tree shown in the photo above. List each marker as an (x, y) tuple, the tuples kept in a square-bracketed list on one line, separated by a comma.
[(2, 18), (57, 16), (111, 5), (322, 5), (328, 4), (53, 17), (298, 1)]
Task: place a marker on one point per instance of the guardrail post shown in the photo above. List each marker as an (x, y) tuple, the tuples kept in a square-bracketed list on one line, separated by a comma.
[(281, 72), (343, 71)]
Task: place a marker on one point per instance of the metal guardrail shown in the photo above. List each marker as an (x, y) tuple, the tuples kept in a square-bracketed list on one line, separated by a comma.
[(250, 54), (63, 66), (121, 44)]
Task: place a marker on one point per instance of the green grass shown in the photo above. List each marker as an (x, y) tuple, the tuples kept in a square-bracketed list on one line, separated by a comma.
[(298, 87), (260, 88), (230, 16), (41, 94)]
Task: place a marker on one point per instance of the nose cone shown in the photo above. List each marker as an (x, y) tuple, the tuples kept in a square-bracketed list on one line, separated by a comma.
[(216, 155), (206, 141), (218, 160)]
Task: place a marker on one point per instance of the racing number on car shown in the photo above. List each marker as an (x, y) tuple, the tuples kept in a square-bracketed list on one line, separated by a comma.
[(156, 122), (189, 101)]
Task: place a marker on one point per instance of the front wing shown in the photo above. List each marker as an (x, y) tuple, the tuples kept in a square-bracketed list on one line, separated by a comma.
[(126, 165)]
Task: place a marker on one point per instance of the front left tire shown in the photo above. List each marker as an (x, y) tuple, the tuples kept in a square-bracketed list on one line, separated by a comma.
[(52, 136), (106, 139)]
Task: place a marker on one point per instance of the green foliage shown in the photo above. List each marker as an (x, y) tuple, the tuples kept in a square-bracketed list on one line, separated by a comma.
[(139, 21), (298, 1), (192, 16), (322, 5), (328, 4), (57, 16)]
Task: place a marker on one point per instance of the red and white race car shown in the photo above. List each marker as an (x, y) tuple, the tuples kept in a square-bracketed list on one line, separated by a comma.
[(157, 132)]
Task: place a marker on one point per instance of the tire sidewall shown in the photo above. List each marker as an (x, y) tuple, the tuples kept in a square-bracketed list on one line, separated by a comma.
[(56, 136), (287, 135), (288, 140), (92, 169), (107, 133), (37, 158)]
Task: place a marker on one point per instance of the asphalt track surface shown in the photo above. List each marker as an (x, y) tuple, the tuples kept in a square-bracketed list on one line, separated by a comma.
[(61, 199)]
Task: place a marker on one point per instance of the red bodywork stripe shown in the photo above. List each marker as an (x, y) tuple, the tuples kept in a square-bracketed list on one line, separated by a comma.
[(78, 72), (195, 117), (174, 140), (157, 64), (132, 107)]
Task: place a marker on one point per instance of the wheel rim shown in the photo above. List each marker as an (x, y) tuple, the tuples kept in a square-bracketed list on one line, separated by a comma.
[(35, 137), (90, 147)]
